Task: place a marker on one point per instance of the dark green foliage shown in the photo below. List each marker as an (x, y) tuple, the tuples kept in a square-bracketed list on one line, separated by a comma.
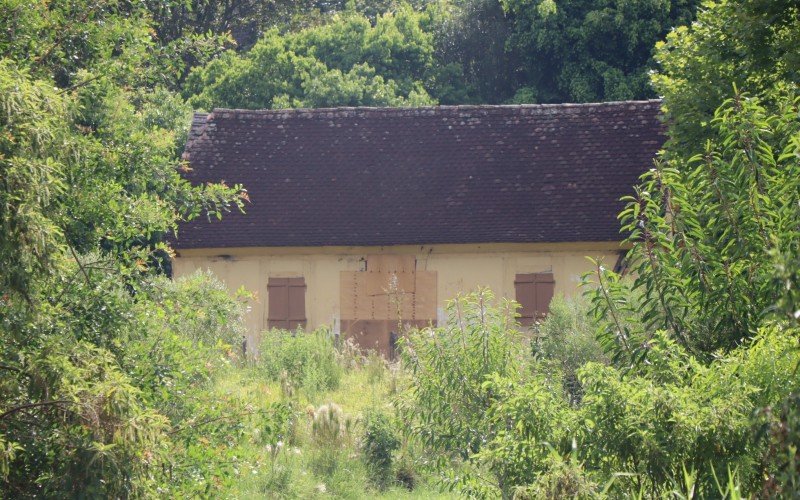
[(471, 45), (590, 50), (783, 455), (378, 445), (682, 413), (450, 52), (529, 421), (32, 118), (447, 401), (675, 418), (102, 361), (749, 44), (702, 343), (565, 341)]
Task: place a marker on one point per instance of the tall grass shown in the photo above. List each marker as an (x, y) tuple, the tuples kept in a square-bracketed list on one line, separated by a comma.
[(331, 442), (300, 361)]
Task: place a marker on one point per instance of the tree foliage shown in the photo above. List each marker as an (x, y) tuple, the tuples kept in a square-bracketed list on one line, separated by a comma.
[(346, 62), (709, 233), (714, 229), (471, 40), (590, 50), (104, 362), (450, 52), (677, 423), (449, 366), (747, 46), (102, 359)]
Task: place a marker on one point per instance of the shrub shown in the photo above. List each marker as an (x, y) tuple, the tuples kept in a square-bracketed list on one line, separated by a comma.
[(566, 340), (94, 434), (300, 360), (529, 421), (331, 434), (188, 330), (376, 367), (378, 444), (125, 389), (698, 417), (564, 478), (330, 427), (199, 308), (650, 430), (447, 400), (675, 423), (783, 454)]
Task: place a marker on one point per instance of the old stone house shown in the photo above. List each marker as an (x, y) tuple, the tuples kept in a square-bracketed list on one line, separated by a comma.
[(361, 216)]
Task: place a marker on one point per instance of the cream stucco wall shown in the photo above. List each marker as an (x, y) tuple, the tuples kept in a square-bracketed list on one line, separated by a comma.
[(460, 268)]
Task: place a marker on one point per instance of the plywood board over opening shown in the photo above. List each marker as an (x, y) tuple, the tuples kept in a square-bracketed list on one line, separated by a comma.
[(425, 300), (370, 301), (376, 334), (383, 263), (390, 274), (390, 282), (347, 294)]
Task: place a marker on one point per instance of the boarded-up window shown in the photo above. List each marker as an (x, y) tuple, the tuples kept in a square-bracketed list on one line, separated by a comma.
[(534, 293), (287, 303)]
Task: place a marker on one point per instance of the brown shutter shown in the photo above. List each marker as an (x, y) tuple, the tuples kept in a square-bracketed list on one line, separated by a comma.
[(526, 297), (297, 303), (287, 303), (534, 293), (545, 287)]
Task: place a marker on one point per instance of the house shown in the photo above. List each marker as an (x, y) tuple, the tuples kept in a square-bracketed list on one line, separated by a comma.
[(363, 216)]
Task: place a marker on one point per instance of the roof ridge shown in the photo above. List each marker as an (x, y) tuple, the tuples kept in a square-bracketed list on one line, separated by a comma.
[(425, 110)]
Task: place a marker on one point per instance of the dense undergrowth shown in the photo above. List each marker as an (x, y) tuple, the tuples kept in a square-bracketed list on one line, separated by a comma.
[(318, 421), (480, 408), (572, 423)]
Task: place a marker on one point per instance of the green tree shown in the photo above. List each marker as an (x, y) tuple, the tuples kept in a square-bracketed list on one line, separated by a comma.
[(590, 50), (749, 44), (447, 401), (471, 44), (89, 185), (709, 232), (346, 62), (714, 223)]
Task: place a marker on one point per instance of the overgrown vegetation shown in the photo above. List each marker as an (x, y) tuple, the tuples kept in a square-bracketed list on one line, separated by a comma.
[(681, 380), (300, 361), (339, 441)]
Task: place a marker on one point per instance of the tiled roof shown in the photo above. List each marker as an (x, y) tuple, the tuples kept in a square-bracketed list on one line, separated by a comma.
[(450, 174)]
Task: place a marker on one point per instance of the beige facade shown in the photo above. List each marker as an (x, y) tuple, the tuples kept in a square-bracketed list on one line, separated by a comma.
[(457, 268)]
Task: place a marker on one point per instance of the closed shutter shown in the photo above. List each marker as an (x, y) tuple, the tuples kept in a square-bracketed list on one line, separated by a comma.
[(287, 303), (534, 293)]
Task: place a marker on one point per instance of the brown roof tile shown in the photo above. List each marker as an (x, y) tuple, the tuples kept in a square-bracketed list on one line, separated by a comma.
[(450, 174)]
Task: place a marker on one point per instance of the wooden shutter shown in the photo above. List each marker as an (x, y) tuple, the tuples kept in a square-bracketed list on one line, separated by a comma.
[(534, 293), (287, 303)]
